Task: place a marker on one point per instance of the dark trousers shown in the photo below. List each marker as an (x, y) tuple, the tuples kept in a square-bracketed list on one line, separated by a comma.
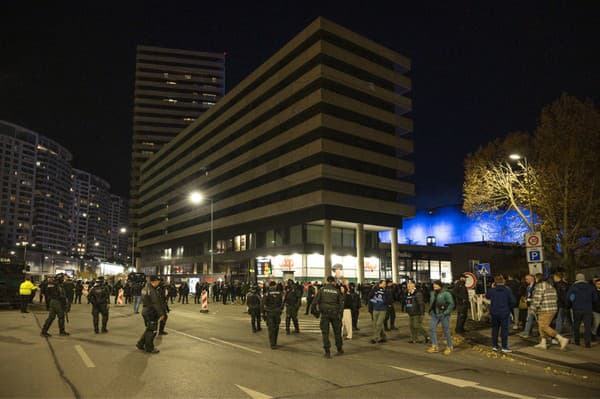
[(291, 315), (273, 321), (77, 298), (586, 317), (390, 316), (461, 318), (500, 324), (146, 341), (334, 319), (162, 324), (24, 302), (197, 297), (308, 304), (56, 310), (96, 311), (254, 319), (355, 314)]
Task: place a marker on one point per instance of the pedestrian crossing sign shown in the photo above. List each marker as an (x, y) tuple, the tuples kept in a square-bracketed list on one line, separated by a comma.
[(483, 269)]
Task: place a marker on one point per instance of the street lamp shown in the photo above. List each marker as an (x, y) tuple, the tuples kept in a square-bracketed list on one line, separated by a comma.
[(525, 165), (197, 198), (25, 244), (123, 230)]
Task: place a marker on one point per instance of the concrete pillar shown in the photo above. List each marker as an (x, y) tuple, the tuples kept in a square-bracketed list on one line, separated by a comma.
[(394, 241), (327, 248), (360, 253)]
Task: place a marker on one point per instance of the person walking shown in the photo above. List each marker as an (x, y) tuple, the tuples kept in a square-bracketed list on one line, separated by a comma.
[(415, 307), (347, 315), (544, 307), (152, 312), (502, 302), (441, 308), (25, 290), (310, 295), (329, 304), (272, 308), (461, 295), (292, 302), (582, 298), (57, 303), (563, 315), (99, 297), (378, 303), (253, 301)]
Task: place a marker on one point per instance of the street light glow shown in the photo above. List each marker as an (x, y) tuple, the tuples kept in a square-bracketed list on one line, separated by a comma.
[(514, 157), (123, 230), (196, 197)]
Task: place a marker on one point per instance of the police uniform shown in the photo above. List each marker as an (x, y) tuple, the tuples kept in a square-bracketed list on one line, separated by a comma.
[(272, 306), (292, 304), (162, 292), (153, 311), (57, 305), (253, 303), (99, 297), (329, 303)]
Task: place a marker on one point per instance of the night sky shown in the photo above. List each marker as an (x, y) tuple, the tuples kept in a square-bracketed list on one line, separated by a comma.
[(67, 71)]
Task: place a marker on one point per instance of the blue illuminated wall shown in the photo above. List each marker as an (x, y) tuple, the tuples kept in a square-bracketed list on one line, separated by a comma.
[(449, 225)]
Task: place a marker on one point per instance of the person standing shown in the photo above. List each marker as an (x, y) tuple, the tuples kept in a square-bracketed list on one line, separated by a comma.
[(596, 313), (544, 307), (378, 306), (272, 308), (164, 300), (390, 314), (502, 302), (43, 286), (136, 291), (253, 301), (310, 296), (563, 315), (329, 303), (347, 315), (355, 308), (582, 298), (69, 287), (57, 303), (117, 287), (198, 289), (529, 287), (78, 292), (461, 294), (152, 312), (184, 292), (513, 286), (441, 308), (99, 297), (415, 307), (25, 290), (292, 304)]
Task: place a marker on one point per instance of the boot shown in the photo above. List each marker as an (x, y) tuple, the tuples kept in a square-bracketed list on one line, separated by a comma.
[(562, 341), (287, 326), (542, 344)]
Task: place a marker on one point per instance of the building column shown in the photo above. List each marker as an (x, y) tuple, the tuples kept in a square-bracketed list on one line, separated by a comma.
[(327, 248), (394, 241), (360, 253)]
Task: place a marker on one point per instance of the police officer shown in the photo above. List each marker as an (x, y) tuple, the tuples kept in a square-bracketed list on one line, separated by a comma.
[(329, 303), (272, 307), (99, 297), (253, 303), (55, 294), (69, 287), (164, 300), (292, 302), (152, 312)]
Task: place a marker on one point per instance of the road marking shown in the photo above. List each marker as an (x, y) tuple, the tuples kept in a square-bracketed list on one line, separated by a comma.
[(86, 359), (193, 337), (253, 394), (553, 397), (235, 345), (457, 382)]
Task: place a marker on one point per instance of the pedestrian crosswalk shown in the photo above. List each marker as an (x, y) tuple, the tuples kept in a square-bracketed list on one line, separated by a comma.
[(306, 324)]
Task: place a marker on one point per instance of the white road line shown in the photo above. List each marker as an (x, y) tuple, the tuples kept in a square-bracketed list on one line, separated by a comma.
[(253, 394), (235, 345), (86, 359), (193, 337), (457, 382)]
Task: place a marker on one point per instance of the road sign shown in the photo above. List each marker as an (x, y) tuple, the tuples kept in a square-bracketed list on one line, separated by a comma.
[(471, 281), (535, 268), (535, 254), (483, 269), (533, 239)]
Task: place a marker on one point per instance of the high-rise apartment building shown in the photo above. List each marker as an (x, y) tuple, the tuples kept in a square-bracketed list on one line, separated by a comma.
[(172, 88), (118, 221), (306, 163), (35, 194)]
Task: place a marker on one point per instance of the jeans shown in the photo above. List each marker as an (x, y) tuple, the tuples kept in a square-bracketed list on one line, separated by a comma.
[(563, 316), (502, 324), (529, 323), (586, 317), (136, 303), (433, 323), (596, 323)]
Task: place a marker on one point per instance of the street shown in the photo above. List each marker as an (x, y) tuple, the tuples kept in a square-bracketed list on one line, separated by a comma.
[(216, 355)]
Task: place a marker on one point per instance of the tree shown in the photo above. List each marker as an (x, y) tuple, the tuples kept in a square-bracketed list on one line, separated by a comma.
[(556, 179)]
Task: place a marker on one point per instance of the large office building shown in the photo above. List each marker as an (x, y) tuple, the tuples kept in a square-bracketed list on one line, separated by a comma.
[(118, 228), (35, 194), (300, 166), (172, 88)]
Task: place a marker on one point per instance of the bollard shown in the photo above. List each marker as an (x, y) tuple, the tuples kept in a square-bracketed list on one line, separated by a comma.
[(204, 302)]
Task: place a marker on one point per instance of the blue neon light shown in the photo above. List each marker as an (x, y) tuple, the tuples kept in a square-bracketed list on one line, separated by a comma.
[(449, 225)]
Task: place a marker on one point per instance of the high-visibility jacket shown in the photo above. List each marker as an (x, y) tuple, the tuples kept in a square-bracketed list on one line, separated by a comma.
[(26, 287)]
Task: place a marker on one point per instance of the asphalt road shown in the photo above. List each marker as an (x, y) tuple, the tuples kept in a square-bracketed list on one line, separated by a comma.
[(216, 355)]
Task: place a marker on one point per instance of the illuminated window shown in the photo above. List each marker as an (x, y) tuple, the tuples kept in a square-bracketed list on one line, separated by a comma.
[(188, 119), (170, 82), (240, 243), (188, 76), (170, 100), (431, 240)]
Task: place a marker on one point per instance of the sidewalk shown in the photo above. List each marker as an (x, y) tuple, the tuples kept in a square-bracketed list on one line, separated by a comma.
[(572, 357)]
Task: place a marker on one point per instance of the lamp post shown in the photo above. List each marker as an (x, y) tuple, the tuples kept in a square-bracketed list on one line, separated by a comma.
[(123, 230), (197, 198), (25, 244), (525, 165)]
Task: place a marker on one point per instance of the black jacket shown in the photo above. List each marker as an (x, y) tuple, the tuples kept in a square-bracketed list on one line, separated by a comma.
[(152, 300), (329, 299), (414, 303)]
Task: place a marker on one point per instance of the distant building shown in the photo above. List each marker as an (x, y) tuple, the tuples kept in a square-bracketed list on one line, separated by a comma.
[(172, 88), (302, 164), (118, 220)]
